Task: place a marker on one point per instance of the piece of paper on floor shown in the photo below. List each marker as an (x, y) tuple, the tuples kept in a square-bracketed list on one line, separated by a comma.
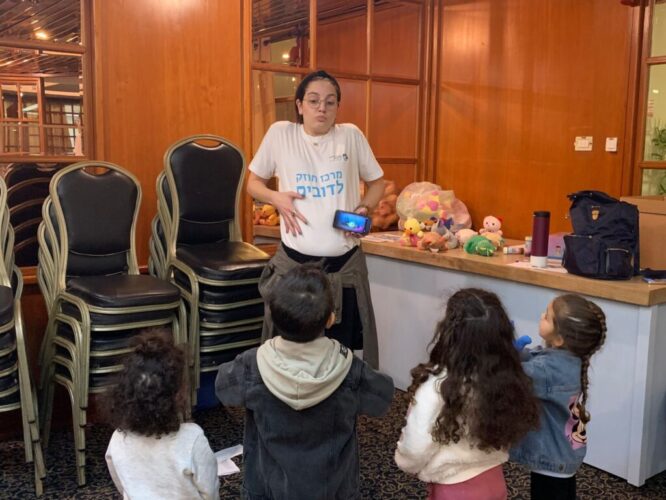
[(226, 466)]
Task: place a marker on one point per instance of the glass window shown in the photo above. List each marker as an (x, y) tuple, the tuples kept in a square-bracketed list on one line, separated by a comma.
[(654, 182), (281, 32), (655, 121), (658, 46), (45, 20)]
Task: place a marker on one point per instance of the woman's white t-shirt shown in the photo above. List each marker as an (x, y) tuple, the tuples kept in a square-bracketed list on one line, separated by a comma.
[(325, 169)]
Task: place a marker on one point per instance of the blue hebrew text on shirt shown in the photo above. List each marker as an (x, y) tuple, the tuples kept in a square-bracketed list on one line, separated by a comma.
[(329, 184)]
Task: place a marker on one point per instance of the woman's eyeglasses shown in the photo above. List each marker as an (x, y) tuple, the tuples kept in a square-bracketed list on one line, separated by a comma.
[(315, 103)]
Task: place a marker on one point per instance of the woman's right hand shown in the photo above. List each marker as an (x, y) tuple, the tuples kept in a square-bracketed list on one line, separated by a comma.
[(284, 203)]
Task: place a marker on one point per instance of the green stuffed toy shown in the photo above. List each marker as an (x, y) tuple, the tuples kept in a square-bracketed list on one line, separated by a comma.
[(480, 245)]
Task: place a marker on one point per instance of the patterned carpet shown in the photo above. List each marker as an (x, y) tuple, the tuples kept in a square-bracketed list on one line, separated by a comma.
[(381, 479)]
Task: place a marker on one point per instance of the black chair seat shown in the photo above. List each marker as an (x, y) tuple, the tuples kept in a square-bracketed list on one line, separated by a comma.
[(118, 319), (209, 294), (229, 338), (7, 360), (231, 315), (224, 261), (6, 305), (123, 290), (101, 341), (6, 339), (213, 359), (11, 399), (8, 381)]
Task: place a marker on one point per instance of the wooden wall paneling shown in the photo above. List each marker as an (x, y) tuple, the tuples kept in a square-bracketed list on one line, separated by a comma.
[(397, 40), (518, 81), (401, 173), (353, 103), (342, 44), (164, 70), (393, 119)]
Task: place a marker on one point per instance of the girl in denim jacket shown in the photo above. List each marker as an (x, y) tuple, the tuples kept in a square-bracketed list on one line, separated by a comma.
[(573, 329), (469, 403)]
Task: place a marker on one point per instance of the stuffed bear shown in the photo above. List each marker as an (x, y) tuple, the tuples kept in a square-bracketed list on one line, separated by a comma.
[(385, 215), (269, 216)]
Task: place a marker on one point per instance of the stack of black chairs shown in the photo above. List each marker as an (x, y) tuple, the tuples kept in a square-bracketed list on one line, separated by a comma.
[(16, 388), (196, 243), (94, 294)]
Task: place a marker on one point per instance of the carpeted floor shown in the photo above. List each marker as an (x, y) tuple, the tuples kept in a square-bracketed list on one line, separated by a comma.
[(380, 478)]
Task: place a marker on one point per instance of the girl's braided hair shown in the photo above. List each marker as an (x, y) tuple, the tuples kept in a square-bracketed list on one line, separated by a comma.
[(582, 325)]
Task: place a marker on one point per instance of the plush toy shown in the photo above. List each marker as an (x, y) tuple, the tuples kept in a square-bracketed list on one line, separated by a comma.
[(412, 233), (443, 228), (385, 214), (480, 245), (269, 216), (491, 224), (495, 238), (432, 241), (521, 342), (464, 235)]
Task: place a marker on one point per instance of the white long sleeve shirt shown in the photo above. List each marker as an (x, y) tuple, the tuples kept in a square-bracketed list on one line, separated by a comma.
[(179, 465), (418, 453)]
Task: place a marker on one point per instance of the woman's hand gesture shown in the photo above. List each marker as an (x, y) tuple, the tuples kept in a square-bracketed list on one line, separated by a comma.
[(284, 203)]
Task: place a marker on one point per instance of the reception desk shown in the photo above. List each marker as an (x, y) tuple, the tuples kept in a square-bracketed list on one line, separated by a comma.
[(627, 395)]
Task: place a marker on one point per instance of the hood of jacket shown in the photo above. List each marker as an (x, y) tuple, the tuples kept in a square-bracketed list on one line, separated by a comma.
[(303, 374)]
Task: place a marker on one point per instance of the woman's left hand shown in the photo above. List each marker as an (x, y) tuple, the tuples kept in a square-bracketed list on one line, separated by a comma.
[(361, 210)]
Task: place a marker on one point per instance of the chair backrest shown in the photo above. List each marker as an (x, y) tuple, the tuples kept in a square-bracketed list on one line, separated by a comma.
[(96, 212), (6, 238), (204, 188)]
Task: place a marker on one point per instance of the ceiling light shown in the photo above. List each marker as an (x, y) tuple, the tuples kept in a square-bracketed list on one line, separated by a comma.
[(42, 35), (655, 91), (285, 56)]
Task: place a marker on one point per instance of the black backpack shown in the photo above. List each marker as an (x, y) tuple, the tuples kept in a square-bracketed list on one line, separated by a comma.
[(604, 243)]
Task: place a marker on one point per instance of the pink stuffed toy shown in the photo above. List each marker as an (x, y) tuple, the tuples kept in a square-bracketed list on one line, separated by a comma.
[(491, 224)]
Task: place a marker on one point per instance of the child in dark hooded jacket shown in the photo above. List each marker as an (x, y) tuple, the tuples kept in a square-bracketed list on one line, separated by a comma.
[(303, 393)]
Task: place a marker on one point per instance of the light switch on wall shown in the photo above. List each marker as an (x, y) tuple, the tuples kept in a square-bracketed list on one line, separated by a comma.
[(583, 143), (611, 144)]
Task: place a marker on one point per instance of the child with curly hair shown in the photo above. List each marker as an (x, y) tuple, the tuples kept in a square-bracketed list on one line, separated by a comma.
[(469, 403), (573, 329), (152, 454)]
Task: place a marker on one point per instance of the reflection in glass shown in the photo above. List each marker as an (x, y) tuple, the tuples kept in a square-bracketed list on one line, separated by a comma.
[(654, 182), (281, 32), (655, 122), (49, 126), (44, 20), (272, 100), (658, 46)]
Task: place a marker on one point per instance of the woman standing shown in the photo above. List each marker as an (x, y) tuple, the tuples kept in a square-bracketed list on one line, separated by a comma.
[(319, 165)]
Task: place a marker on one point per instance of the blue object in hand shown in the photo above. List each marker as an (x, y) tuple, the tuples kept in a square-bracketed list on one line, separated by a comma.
[(521, 342)]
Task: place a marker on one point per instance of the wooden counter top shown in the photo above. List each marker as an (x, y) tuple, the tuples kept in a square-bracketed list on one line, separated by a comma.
[(634, 291)]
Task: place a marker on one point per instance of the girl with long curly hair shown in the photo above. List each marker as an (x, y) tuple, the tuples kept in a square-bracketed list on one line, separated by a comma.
[(469, 403), (573, 329), (152, 454)]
